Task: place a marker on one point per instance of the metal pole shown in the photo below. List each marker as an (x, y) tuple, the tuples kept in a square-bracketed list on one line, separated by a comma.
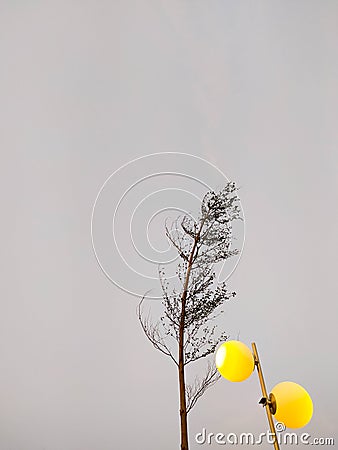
[(265, 395)]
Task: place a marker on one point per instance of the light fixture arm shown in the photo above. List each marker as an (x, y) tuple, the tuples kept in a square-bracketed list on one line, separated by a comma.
[(267, 401)]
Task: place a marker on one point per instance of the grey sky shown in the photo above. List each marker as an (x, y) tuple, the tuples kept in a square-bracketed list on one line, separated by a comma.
[(88, 86)]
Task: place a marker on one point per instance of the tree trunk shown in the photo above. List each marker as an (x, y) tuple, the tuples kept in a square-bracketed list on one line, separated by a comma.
[(181, 378), (181, 374), (183, 411)]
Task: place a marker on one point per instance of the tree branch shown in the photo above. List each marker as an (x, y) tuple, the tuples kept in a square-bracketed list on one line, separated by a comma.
[(153, 334), (197, 389)]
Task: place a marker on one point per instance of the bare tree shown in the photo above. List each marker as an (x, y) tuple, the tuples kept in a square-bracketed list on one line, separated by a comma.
[(193, 303)]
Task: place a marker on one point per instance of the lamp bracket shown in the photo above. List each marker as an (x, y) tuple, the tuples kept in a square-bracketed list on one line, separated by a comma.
[(271, 402), (263, 401)]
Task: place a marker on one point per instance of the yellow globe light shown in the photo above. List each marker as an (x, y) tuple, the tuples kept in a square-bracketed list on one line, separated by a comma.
[(234, 361), (293, 404)]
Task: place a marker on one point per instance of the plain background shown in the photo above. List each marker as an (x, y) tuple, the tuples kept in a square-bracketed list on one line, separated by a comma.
[(87, 86)]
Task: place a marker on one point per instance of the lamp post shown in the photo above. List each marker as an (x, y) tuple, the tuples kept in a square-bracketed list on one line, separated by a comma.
[(270, 406), (288, 402)]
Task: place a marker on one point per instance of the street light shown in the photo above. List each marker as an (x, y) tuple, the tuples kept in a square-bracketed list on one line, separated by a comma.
[(288, 402), (234, 361), (295, 406)]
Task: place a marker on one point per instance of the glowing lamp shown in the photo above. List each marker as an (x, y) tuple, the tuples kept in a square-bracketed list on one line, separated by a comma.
[(234, 361), (293, 404)]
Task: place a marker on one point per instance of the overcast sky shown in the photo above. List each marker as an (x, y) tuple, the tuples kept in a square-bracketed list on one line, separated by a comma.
[(88, 86)]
